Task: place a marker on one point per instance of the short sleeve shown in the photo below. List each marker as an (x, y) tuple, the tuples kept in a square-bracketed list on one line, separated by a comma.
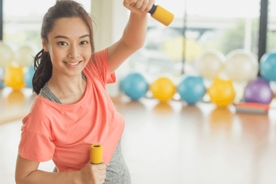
[(100, 67), (36, 147), (36, 142)]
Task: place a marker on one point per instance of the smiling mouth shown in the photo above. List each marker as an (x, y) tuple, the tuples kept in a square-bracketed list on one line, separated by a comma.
[(72, 63)]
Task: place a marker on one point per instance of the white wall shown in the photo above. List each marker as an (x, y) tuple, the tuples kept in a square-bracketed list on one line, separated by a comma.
[(110, 18)]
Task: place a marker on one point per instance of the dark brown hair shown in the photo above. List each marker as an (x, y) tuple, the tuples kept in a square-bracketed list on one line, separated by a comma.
[(42, 61)]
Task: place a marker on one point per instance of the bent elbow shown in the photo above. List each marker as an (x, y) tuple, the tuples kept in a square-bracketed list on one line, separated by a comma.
[(136, 45)]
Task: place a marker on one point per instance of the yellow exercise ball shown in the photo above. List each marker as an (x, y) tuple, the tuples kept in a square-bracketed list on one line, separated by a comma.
[(16, 97), (14, 77), (6, 54), (163, 89), (221, 120), (163, 107), (222, 92)]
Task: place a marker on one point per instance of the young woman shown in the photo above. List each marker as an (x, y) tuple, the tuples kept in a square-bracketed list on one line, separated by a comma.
[(72, 110)]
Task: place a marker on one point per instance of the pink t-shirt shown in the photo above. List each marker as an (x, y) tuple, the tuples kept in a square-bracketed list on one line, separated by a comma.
[(65, 132)]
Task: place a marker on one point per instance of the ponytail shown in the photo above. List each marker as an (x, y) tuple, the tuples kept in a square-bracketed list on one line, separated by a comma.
[(43, 70)]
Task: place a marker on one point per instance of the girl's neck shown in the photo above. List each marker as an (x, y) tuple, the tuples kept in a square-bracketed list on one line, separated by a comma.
[(67, 89)]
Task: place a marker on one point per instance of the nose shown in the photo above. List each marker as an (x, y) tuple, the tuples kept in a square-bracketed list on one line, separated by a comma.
[(73, 52)]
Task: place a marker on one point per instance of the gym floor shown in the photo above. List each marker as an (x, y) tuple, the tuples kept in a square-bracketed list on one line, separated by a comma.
[(170, 143)]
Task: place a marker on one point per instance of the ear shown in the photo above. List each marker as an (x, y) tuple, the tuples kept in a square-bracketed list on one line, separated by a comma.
[(44, 45)]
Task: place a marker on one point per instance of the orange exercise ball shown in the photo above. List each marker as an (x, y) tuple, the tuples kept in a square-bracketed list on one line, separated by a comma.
[(14, 77), (222, 92), (163, 89)]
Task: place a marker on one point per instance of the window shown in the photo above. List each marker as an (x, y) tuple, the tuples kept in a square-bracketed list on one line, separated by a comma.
[(271, 33), (198, 26), (22, 20)]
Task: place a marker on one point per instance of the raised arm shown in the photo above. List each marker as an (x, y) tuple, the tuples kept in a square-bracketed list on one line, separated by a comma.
[(134, 34), (27, 173)]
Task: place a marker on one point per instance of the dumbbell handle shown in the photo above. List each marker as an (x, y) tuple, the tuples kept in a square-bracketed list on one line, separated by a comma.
[(96, 154), (161, 15)]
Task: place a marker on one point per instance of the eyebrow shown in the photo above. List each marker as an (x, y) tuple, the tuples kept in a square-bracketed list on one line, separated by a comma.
[(60, 36)]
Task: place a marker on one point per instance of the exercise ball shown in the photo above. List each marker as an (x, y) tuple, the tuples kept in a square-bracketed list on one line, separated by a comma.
[(221, 119), (268, 65), (163, 89), (134, 85), (191, 89), (6, 54), (241, 66), (14, 77), (163, 108), (28, 77), (258, 91), (210, 63), (222, 92), (16, 97), (2, 72), (24, 55)]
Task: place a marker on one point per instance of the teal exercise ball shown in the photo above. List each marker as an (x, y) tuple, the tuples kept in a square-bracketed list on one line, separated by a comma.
[(28, 77), (2, 72), (268, 65), (134, 85), (191, 89)]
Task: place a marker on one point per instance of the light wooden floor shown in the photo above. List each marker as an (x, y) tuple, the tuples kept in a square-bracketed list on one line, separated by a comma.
[(172, 143)]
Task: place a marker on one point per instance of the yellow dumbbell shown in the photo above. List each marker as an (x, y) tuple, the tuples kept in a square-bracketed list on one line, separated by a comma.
[(161, 15), (96, 154)]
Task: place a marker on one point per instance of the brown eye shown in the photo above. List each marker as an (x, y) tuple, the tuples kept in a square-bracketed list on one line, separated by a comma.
[(84, 42), (62, 43)]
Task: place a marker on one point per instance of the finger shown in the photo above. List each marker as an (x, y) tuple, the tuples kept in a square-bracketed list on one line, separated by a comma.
[(102, 174), (129, 3), (144, 6), (102, 181), (138, 5), (105, 163), (97, 168), (102, 178), (132, 9), (100, 167), (149, 5)]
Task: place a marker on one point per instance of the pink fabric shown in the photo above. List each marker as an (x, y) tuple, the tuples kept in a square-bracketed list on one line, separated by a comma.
[(64, 133)]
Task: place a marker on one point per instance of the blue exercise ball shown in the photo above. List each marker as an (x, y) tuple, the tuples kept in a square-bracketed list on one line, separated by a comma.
[(2, 72), (134, 85), (268, 65), (191, 89), (28, 77)]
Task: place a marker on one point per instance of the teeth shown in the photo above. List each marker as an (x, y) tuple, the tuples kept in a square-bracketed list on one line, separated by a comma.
[(73, 64)]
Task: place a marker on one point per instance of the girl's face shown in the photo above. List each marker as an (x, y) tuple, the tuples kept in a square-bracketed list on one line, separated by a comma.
[(69, 46)]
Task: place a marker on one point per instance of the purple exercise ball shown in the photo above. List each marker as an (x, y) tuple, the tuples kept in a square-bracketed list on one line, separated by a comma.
[(258, 91)]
